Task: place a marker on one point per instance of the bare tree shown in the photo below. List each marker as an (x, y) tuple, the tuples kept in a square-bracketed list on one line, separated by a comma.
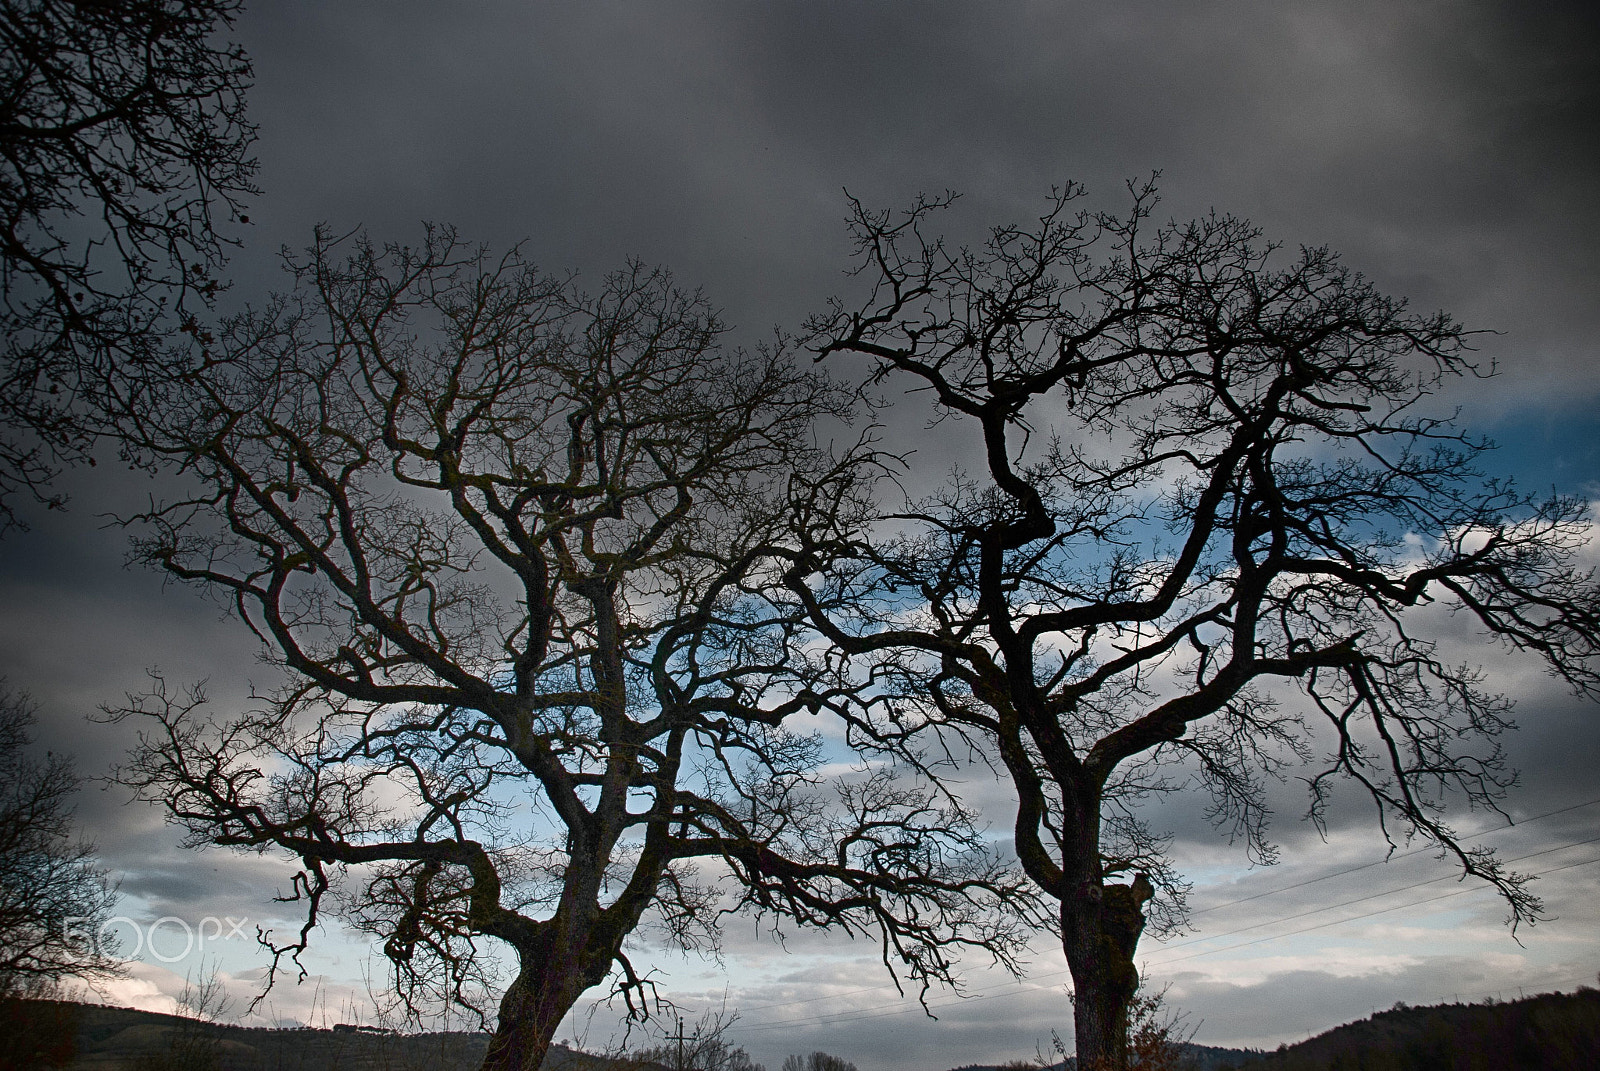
[(1208, 508), (706, 1048), (122, 134), (506, 539), (817, 1061), (53, 895)]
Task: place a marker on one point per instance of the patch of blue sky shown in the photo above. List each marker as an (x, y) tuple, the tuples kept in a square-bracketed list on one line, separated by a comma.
[(1551, 448)]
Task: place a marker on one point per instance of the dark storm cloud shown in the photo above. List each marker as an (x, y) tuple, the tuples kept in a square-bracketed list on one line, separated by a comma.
[(80, 630), (1449, 150), (209, 884), (1442, 148)]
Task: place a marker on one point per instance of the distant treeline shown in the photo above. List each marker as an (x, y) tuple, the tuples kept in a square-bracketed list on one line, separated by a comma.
[(45, 1034), (1548, 1032)]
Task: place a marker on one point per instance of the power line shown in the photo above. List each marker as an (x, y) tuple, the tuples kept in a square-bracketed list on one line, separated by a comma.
[(1369, 914), (1230, 903), (988, 992), (889, 1010), (1371, 896), (1387, 859)]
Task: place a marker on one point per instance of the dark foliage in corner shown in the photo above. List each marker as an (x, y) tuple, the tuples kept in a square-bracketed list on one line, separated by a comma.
[(53, 895), (122, 137)]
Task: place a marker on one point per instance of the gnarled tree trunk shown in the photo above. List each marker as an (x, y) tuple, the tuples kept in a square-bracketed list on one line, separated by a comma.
[(530, 1013), (1099, 932), (552, 975)]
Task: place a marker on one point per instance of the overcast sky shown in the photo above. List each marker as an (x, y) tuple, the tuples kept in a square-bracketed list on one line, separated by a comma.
[(1448, 150)]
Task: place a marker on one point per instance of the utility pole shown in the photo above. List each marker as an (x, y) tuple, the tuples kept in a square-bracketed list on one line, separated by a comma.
[(680, 1039)]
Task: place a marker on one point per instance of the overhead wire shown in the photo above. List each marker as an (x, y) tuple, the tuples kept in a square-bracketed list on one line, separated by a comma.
[(988, 992), (1369, 914), (1374, 896), (1390, 858), (883, 988)]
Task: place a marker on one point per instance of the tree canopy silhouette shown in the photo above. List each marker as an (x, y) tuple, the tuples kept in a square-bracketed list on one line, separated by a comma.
[(1208, 509), (506, 539)]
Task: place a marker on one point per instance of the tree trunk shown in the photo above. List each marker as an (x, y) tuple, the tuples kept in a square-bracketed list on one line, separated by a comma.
[(528, 1024), (546, 988), (1099, 932)]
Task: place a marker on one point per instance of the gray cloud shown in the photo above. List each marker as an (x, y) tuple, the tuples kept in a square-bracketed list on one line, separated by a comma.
[(1443, 151), (1292, 1005)]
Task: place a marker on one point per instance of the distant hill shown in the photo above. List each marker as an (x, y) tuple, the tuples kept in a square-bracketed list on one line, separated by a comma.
[(34, 1034), (121, 1039), (1196, 1057), (1549, 1032)]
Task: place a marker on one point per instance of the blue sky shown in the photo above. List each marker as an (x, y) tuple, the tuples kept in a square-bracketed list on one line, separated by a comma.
[(1555, 447)]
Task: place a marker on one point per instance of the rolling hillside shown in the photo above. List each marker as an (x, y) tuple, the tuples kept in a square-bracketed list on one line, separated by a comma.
[(1549, 1032)]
